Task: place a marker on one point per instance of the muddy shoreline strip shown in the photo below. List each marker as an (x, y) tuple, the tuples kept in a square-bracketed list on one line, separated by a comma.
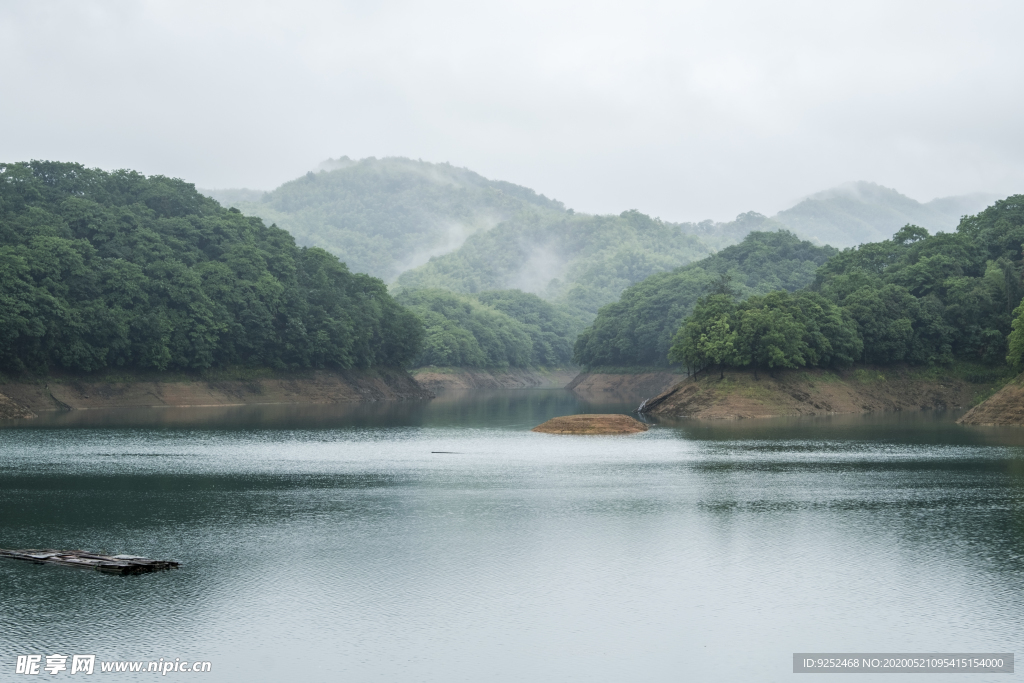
[(813, 392), (1005, 408), (25, 399)]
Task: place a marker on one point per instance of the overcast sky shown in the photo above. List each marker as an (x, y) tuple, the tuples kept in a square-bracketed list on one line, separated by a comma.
[(684, 110)]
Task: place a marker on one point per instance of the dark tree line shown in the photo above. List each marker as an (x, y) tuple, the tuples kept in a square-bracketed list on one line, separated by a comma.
[(776, 330), (638, 329), (102, 270), (916, 298), (496, 329)]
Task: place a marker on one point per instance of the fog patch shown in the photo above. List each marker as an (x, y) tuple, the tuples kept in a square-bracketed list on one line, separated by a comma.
[(542, 266), (341, 162), (450, 236)]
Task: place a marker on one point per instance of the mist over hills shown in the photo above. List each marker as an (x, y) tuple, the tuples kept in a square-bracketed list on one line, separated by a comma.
[(861, 212), (119, 269), (385, 216), (581, 261), (422, 225)]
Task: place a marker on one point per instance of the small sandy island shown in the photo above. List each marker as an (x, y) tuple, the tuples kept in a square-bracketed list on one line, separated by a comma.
[(592, 424)]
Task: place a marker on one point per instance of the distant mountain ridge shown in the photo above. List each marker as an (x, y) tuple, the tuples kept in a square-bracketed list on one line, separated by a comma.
[(385, 216), (859, 212), (422, 225)]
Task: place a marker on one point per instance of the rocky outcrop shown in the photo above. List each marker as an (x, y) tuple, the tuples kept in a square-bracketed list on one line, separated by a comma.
[(12, 410)]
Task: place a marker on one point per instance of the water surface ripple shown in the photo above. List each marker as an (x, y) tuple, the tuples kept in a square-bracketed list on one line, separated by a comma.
[(339, 544)]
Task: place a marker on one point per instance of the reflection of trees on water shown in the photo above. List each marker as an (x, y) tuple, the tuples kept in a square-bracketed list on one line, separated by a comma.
[(511, 408)]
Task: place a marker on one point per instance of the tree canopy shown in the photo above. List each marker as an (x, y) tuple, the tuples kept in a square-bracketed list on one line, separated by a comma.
[(118, 269), (916, 298), (496, 329), (637, 330), (577, 260), (385, 216), (775, 330), (925, 299)]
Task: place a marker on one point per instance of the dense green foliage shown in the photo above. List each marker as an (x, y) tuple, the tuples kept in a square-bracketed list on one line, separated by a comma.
[(551, 327), (434, 226), (384, 216), (580, 261), (116, 269), (639, 327), (929, 299), (776, 330), (496, 329), (916, 298), (442, 227)]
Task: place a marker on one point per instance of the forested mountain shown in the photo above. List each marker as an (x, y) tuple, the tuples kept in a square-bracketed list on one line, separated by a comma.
[(915, 298), (119, 270), (435, 226), (579, 261), (856, 213), (384, 216), (423, 225), (101, 270), (495, 329), (637, 329)]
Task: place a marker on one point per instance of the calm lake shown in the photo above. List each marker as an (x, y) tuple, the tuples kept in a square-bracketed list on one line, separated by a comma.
[(444, 541)]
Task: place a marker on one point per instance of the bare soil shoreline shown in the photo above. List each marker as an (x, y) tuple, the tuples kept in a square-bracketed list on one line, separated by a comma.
[(815, 392), (1004, 408), (625, 386), (24, 398)]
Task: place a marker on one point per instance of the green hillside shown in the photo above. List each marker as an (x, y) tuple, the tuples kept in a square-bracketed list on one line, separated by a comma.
[(433, 226), (101, 270), (384, 216), (915, 298), (579, 261), (857, 213), (497, 329), (637, 329)]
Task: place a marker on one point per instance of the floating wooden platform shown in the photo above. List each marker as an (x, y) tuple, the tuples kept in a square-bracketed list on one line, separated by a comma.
[(111, 564)]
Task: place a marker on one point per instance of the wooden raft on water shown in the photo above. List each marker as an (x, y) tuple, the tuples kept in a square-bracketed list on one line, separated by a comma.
[(111, 564)]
